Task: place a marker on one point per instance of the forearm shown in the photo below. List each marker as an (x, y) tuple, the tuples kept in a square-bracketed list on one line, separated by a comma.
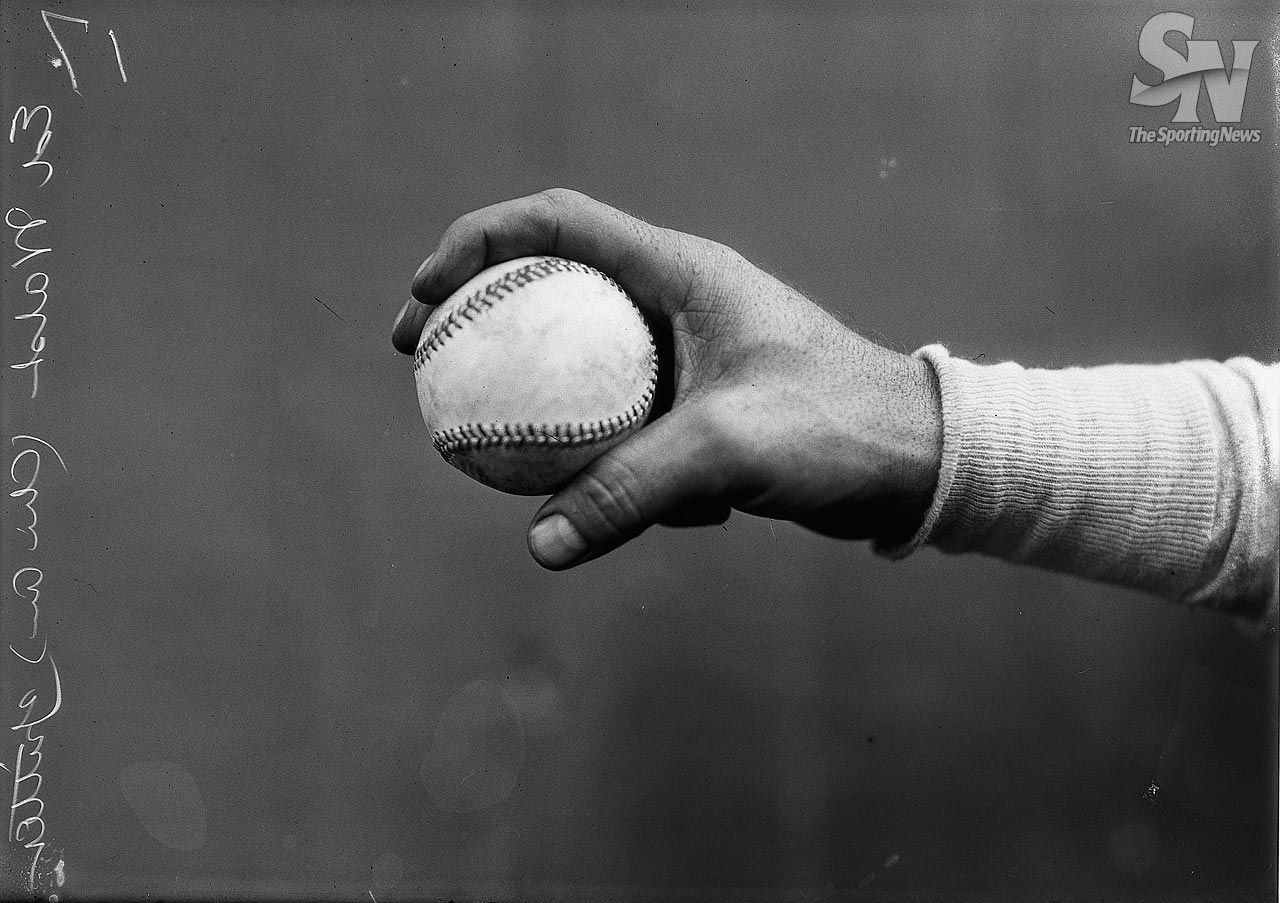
[(1162, 477)]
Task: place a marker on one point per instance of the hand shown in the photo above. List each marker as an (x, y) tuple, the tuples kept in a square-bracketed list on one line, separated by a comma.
[(777, 409)]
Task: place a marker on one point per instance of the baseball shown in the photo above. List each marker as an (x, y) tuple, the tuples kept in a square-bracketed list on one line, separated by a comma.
[(532, 369)]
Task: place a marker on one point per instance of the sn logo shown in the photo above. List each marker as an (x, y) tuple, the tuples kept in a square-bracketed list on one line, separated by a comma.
[(1184, 75)]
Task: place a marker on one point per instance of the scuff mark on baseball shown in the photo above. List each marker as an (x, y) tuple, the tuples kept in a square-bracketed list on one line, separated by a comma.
[(532, 369)]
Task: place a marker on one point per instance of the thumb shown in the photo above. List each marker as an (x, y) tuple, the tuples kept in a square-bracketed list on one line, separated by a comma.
[(651, 477)]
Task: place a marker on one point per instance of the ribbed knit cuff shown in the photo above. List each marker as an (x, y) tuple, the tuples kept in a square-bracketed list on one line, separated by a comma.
[(1107, 472)]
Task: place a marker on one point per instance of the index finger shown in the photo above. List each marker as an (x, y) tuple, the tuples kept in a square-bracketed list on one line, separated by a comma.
[(642, 258)]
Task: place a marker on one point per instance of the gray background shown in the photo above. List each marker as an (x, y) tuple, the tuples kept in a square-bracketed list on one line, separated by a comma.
[(302, 656)]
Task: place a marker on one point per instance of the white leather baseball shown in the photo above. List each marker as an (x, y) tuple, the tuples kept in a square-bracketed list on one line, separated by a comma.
[(530, 370)]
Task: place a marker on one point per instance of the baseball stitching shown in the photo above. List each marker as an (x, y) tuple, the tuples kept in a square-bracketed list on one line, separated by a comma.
[(472, 436), (484, 298)]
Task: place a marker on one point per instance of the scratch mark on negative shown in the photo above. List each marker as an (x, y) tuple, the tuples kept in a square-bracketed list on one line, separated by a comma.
[(88, 584), (329, 309), (1082, 209)]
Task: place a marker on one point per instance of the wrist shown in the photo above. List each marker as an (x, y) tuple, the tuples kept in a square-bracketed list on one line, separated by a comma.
[(915, 446)]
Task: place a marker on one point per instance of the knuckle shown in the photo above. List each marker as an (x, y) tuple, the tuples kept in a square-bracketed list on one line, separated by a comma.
[(727, 259), (464, 227), (550, 210), (708, 259), (561, 199), (609, 491), (708, 248)]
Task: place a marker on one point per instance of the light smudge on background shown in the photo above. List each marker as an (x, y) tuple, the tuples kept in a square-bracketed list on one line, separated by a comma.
[(168, 803), (476, 752)]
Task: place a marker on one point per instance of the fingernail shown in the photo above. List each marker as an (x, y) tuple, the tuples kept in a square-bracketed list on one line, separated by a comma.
[(555, 542), (400, 316)]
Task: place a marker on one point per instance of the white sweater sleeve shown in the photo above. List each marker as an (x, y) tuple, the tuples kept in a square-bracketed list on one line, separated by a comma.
[(1164, 477)]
